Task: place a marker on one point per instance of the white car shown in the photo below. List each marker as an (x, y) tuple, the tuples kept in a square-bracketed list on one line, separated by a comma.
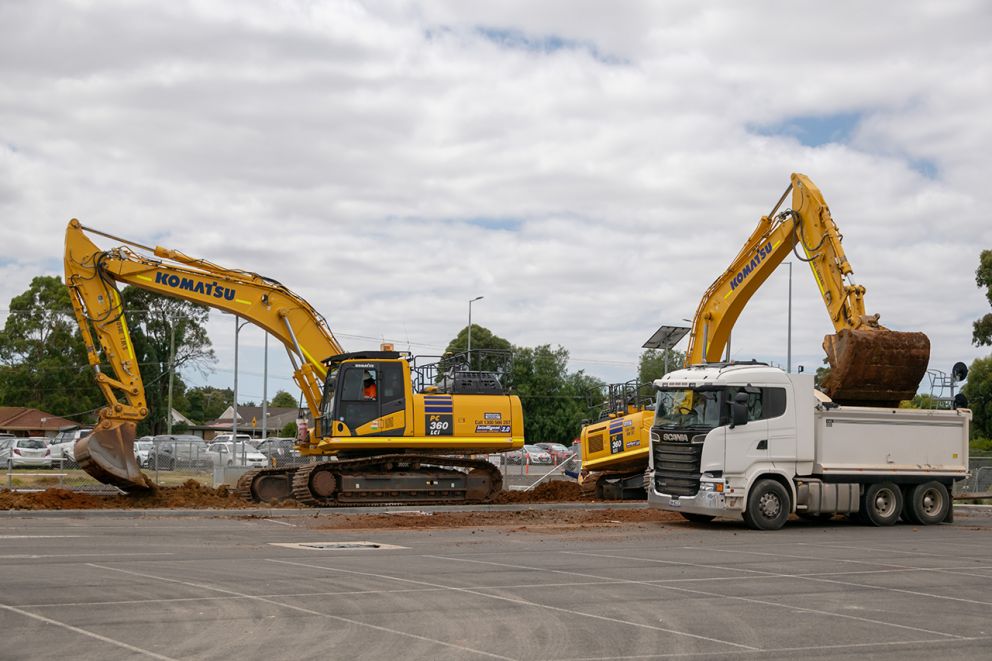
[(142, 447), (64, 444), (18, 452), (226, 453)]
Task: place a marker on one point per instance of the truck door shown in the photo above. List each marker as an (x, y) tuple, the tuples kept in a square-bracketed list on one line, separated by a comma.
[(747, 444)]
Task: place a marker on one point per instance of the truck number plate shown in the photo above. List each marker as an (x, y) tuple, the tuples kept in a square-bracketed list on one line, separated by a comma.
[(675, 502)]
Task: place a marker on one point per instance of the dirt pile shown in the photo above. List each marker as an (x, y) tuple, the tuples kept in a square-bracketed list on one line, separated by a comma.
[(190, 494), (193, 495)]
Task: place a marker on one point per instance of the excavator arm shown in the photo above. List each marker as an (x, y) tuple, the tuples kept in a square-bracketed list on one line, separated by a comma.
[(92, 274), (869, 363)]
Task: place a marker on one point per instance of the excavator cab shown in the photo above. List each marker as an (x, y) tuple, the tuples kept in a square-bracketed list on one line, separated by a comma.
[(365, 395)]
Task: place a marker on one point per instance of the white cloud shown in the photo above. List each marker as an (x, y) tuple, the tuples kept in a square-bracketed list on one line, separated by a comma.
[(344, 149)]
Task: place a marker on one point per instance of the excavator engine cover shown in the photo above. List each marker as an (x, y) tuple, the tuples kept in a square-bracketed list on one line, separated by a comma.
[(108, 455), (875, 367)]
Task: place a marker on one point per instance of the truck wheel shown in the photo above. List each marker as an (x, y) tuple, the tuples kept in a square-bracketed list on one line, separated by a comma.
[(928, 503), (697, 518), (768, 506), (881, 504)]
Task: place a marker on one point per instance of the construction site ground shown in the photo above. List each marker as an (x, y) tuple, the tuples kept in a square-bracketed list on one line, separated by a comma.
[(519, 580)]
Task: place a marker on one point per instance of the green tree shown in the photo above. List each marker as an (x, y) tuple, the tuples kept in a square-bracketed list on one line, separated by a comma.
[(158, 324), (206, 403), (288, 430), (978, 390), (653, 362), (982, 335), (555, 402), (483, 340), (42, 357), (284, 399)]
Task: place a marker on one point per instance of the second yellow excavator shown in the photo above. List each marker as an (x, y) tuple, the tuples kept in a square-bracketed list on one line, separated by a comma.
[(870, 364), (387, 429)]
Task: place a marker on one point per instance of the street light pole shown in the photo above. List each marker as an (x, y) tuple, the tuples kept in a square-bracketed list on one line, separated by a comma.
[(265, 390), (477, 298), (788, 360), (238, 325)]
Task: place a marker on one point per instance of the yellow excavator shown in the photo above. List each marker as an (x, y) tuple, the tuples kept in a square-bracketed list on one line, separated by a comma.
[(388, 428), (870, 365)]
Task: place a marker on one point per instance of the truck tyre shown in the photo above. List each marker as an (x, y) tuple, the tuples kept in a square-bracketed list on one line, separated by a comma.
[(927, 503), (697, 518), (768, 506), (882, 504)]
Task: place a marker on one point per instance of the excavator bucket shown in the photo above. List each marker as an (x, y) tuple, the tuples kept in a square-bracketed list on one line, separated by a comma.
[(875, 367), (108, 455)]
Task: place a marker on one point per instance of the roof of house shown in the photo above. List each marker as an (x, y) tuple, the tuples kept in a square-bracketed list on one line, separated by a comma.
[(22, 418), (279, 416)]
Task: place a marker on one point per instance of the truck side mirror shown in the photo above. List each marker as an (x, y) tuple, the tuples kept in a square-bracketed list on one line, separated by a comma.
[(738, 410)]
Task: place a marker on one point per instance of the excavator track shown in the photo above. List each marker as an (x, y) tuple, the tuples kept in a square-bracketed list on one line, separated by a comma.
[(266, 485), (400, 479)]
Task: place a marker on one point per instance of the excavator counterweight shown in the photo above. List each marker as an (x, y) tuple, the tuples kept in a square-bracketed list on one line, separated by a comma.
[(875, 367)]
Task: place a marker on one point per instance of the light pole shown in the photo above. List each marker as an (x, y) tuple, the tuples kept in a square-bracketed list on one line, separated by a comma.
[(238, 325), (265, 389), (788, 360), (477, 298)]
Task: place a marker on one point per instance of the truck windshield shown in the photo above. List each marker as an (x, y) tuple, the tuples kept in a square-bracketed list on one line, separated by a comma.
[(687, 408)]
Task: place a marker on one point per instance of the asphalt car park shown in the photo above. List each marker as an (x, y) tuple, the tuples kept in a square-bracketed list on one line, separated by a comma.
[(166, 586)]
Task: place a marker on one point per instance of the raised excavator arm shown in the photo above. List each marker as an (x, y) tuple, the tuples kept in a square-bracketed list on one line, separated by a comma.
[(91, 275), (870, 365)]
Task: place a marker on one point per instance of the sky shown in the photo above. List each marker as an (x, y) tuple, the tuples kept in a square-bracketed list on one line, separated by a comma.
[(588, 168)]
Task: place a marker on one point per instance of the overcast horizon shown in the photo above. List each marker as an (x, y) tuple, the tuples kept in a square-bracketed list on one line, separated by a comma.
[(589, 168)]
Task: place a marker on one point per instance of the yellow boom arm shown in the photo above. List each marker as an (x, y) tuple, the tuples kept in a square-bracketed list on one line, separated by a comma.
[(869, 362), (91, 275)]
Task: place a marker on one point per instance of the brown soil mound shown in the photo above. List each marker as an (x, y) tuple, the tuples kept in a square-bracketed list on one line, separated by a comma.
[(191, 494), (545, 521), (557, 491)]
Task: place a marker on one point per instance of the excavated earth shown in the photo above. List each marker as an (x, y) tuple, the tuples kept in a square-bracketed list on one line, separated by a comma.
[(193, 495)]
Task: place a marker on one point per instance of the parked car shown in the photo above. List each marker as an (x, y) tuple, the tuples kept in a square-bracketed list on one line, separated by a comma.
[(169, 452), (20, 452), (63, 446), (280, 451), (530, 454), (227, 438), (239, 454), (142, 447), (558, 452)]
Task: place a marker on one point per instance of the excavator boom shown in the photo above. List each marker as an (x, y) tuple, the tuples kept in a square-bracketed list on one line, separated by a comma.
[(91, 275), (870, 364)]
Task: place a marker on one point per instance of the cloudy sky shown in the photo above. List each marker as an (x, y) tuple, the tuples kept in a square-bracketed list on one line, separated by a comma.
[(587, 167)]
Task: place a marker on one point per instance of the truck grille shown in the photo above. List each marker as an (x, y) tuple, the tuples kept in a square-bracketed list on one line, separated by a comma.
[(676, 468)]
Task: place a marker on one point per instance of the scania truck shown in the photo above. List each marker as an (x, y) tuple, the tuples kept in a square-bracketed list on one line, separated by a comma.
[(733, 439)]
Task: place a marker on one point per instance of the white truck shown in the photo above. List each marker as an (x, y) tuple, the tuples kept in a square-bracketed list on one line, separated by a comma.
[(750, 440)]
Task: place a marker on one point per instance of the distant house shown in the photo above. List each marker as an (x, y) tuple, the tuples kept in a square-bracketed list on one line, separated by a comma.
[(24, 421), (250, 420)]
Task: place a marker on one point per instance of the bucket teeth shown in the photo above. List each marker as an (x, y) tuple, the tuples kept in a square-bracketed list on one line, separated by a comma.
[(875, 367)]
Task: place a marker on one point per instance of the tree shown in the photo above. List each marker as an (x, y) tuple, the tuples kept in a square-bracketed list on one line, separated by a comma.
[(554, 401), (284, 399), (978, 390), (206, 403), (43, 361), (483, 340), (653, 362), (982, 334), (158, 325)]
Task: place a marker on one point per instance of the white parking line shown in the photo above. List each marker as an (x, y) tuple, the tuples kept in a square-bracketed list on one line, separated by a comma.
[(91, 634), (522, 602), (308, 611)]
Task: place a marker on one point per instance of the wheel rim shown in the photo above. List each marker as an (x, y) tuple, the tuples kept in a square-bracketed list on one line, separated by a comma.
[(885, 502), (931, 502), (769, 505)]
